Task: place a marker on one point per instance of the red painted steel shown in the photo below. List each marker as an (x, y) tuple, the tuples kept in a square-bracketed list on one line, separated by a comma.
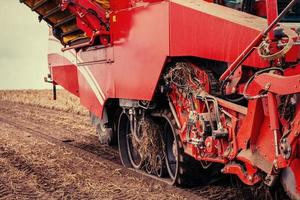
[(272, 13), (67, 77), (230, 34), (137, 57)]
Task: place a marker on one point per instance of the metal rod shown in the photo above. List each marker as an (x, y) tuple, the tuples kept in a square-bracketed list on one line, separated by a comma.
[(250, 48), (276, 143), (274, 123), (54, 91), (174, 114)]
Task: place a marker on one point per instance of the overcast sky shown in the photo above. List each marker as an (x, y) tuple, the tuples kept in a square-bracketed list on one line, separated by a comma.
[(23, 47)]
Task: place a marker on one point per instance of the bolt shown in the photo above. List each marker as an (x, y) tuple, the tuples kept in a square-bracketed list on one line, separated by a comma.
[(130, 112), (208, 144), (250, 178), (267, 86), (233, 90), (268, 178), (275, 164)]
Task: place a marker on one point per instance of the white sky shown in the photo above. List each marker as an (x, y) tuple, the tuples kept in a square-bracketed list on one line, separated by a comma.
[(23, 47)]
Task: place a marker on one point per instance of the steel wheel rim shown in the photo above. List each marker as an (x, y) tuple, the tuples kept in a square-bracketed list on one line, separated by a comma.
[(134, 157)]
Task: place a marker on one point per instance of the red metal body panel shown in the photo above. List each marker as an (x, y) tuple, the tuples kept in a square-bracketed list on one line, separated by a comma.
[(62, 67), (67, 77), (136, 58), (141, 46), (88, 97), (212, 31)]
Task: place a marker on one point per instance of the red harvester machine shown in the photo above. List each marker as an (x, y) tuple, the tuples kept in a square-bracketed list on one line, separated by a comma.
[(187, 88)]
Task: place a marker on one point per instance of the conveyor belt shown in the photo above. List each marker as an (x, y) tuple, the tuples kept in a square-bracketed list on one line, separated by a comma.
[(63, 22)]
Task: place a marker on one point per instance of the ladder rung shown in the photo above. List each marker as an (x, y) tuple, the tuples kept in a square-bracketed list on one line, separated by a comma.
[(64, 21), (38, 5), (51, 12)]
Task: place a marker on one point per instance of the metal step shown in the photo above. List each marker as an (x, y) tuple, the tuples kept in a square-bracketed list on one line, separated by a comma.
[(65, 21), (38, 5)]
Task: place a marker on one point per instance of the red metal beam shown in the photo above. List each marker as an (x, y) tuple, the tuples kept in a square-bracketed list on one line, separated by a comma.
[(272, 14)]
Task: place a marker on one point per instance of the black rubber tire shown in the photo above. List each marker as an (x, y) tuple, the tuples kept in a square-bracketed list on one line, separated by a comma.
[(114, 123), (287, 181), (109, 135), (105, 135)]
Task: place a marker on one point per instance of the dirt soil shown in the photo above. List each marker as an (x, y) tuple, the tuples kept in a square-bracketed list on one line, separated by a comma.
[(54, 154), (44, 98)]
